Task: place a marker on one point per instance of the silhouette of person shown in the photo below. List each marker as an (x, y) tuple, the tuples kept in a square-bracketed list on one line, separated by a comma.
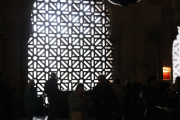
[(127, 86), (120, 94), (104, 100), (174, 108), (129, 80), (51, 89), (8, 99), (30, 99), (152, 99), (2, 93), (79, 102), (108, 82), (131, 104)]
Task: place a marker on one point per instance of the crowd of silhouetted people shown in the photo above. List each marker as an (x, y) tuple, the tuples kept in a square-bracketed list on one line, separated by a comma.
[(6, 99), (152, 100), (133, 101)]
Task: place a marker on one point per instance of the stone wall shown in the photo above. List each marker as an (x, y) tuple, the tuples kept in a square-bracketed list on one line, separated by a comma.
[(133, 27)]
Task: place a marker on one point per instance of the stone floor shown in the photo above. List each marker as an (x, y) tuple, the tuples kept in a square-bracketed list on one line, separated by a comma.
[(43, 118)]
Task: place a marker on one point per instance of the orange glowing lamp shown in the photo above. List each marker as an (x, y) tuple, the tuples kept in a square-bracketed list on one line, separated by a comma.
[(166, 73)]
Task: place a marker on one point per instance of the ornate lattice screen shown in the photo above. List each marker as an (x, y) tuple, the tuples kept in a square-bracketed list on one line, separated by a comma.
[(176, 56), (70, 38)]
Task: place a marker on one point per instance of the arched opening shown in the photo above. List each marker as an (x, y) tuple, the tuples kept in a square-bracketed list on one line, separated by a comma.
[(70, 38)]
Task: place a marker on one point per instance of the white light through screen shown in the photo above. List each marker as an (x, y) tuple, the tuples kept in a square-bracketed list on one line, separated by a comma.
[(176, 56), (71, 38)]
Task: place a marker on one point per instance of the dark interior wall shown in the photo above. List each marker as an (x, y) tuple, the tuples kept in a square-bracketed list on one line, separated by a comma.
[(10, 41), (141, 35), (169, 32), (135, 53)]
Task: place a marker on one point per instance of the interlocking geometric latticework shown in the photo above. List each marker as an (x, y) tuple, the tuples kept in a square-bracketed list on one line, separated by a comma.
[(176, 56), (70, 38)]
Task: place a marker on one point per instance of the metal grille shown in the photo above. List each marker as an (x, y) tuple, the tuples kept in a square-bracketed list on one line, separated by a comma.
[(176, 56), (70, 38)]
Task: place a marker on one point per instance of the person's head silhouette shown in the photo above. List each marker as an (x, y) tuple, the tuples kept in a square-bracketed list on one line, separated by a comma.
[(53, 75), (80, 88), (152, 81), (176, 85), (31, 83), (102, 80)]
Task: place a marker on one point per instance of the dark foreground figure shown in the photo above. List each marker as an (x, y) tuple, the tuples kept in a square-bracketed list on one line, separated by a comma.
[(8, 99), (51, 89), (104, 100), (31, 99)]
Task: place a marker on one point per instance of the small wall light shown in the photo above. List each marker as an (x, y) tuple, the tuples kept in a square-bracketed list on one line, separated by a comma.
[(166, 73)]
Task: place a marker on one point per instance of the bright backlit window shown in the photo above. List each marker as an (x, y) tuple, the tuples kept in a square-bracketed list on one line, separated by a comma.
[(176, 56), (70, 38)]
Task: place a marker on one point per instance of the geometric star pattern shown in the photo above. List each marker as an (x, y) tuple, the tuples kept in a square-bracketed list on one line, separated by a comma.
[(70, 38), (176, 56)]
